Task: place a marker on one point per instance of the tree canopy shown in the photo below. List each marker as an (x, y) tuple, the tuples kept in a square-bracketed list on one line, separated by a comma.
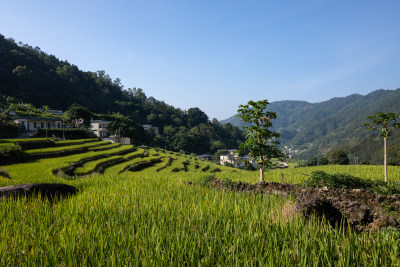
[(260, 141)]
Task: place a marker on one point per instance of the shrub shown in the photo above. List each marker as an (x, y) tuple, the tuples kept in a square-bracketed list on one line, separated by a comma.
[(338, 180), (11, 154), (4, 173), (342, 180), (339, 157), (205, 180), (67, 133), (391, 188), (323, 161)]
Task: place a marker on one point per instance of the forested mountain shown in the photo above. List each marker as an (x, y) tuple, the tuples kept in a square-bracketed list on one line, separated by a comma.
[(338, 122), (32, 76)]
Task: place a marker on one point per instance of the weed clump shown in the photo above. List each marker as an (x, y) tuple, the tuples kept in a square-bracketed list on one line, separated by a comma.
[(206, 180), (4, 173), (347, 181), (338, 180)]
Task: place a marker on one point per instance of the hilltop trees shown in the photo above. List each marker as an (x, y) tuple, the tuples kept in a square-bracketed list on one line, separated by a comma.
[(260, 140), (384, 121), (196, 117)]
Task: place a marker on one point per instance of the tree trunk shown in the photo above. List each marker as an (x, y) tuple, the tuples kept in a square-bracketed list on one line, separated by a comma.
[(261, 175), (385, 159)]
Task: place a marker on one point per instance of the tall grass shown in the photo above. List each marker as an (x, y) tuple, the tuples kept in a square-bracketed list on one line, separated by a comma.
[(150, 218), (147, 219)]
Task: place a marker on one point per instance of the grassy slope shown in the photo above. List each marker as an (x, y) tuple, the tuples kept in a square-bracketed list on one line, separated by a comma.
[(156, 219)]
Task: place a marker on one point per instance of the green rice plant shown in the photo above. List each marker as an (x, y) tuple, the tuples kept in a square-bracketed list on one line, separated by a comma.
[(6, 144), (75, 142), (165, 163), (105, 147), (25, 140), (63, 150), (31, 143), (98, 166), (155, 219), (45, 170), (118, 168), (141, 164)]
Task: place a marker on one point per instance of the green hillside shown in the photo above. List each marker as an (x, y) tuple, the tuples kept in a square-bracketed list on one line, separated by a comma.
[(32, 76), (321, 127)]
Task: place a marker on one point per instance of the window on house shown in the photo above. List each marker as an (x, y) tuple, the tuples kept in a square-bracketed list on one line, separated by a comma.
[(48, 125), (34, 125), (41, 125)]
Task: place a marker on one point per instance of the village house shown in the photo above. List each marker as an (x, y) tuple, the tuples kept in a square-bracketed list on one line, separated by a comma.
[(231, 158), (99, 128), (32, 124)]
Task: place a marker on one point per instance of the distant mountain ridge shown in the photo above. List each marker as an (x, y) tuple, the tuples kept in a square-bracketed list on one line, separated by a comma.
[(320, 127)]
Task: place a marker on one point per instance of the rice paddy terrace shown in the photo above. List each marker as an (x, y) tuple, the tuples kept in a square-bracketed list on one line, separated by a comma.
[(134, 207)]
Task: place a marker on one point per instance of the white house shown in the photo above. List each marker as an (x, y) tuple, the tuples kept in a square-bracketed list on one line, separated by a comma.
[(32, 124), (99, 128), (230, 158)]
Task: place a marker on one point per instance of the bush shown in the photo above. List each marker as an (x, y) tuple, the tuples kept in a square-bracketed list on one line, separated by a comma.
[(339, 157), (338, 180), (342, 180), (323, 161), (391, 188), (68, 133), (206, 180), (11, 154)]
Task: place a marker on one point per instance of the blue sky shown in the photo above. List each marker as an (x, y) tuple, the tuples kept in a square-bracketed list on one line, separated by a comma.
[(218, 54)]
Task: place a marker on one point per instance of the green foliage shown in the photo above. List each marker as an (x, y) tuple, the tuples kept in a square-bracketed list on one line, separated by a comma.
[(196, 117), (343, 180), (338, 157), (260, 140), (123, 126), (394, 155), (385, 121), (32, 76), (78, 116), (8, 128), (337, 180), (68, 133), (311, 162), (338, 122), (322, 161), (390, 188), (32, 143), (11, 154), (205, 180)]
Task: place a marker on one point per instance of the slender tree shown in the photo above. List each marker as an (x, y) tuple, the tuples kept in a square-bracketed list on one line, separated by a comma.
[(384, 121), (260, 140)]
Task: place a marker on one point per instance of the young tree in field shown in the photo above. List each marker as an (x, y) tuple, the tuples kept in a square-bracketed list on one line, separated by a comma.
[(384, 121), (260, 140)]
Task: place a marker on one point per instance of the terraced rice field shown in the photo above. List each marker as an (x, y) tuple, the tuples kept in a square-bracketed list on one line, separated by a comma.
[(135, 208)]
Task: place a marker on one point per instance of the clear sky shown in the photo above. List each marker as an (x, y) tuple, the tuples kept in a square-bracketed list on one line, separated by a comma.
[(217, 54)]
